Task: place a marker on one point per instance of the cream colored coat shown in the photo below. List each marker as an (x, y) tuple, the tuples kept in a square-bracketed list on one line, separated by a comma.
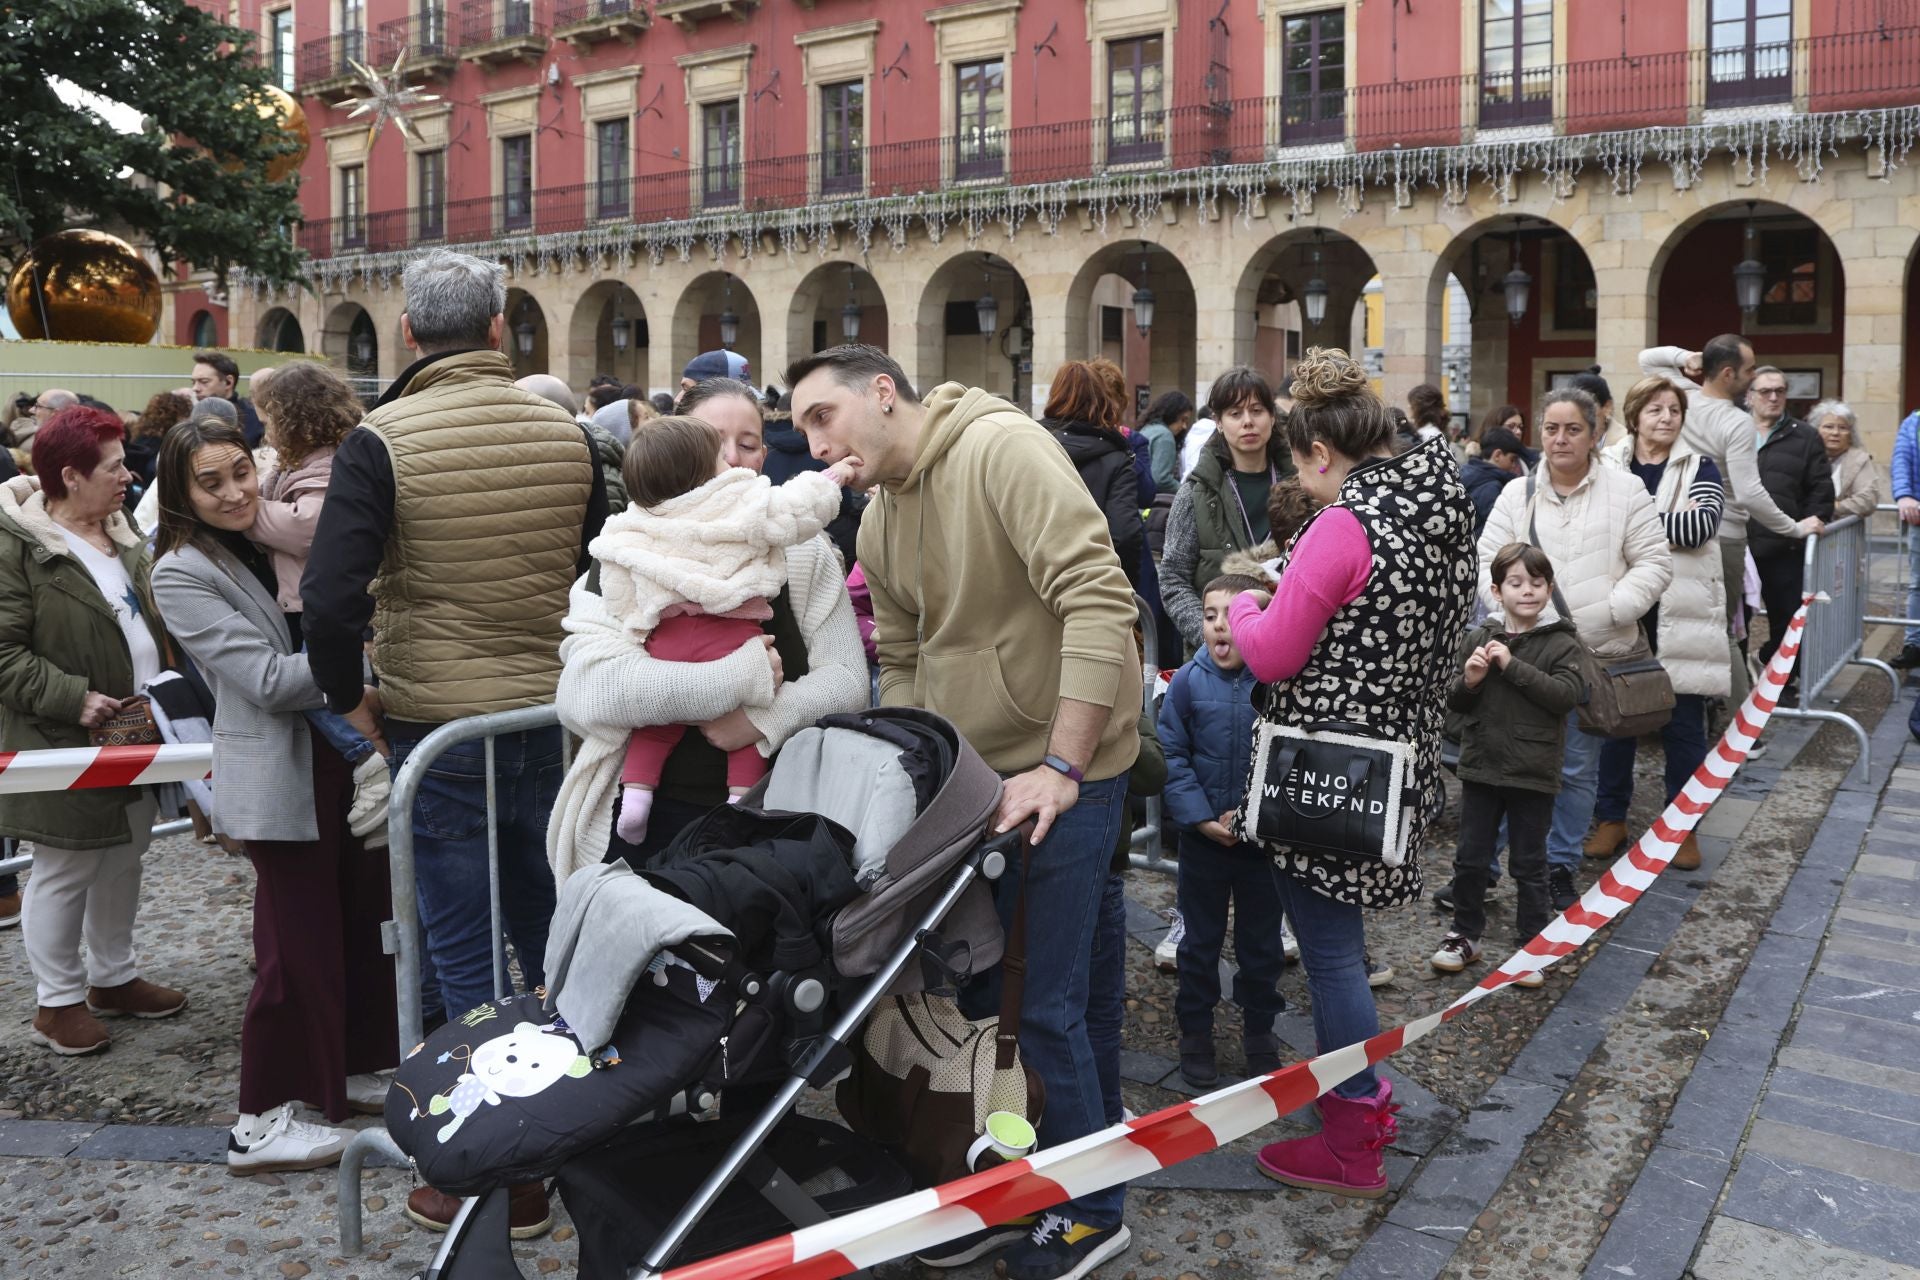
[(1693, 610), (1856, 484), (1609, 550)]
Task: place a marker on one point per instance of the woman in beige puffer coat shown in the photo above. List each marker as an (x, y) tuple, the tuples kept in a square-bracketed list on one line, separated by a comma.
[(1611, 561), (1689, 624)]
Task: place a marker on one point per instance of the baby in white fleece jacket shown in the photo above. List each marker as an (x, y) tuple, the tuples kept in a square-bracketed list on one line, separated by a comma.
[(688, 568)]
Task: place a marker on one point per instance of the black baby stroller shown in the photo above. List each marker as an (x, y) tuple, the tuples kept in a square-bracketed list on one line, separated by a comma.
[(692, 1075)]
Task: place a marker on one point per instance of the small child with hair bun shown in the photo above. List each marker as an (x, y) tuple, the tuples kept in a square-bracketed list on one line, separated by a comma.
[(688, 568)]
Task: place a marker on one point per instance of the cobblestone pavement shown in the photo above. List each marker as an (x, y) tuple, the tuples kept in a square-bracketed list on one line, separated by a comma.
[(1629, 1119)]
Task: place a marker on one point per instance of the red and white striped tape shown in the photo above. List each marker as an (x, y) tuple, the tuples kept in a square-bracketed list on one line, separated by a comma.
[(1127, 1151), (78, 768)]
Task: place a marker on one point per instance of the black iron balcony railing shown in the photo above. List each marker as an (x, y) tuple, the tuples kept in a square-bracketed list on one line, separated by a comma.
[(485, 22), (331, 58), (568, 12), (1832, 73), (426, 34)]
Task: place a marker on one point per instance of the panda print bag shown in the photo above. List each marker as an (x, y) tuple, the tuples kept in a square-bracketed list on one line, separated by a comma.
[(505, 1093)]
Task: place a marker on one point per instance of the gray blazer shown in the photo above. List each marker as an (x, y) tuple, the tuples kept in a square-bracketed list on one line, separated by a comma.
[(262, 748)]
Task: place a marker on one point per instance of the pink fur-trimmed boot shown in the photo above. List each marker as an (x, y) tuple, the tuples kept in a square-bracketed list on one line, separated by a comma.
[(1344, 1157)]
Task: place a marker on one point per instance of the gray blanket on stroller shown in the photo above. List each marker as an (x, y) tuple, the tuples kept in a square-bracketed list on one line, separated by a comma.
[(608, 926)]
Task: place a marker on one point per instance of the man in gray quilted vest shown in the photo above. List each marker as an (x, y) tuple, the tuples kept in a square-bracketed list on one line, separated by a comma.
[(457, 518)]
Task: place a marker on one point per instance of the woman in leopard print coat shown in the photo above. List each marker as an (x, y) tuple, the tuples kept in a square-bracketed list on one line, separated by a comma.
[(1373, 594)]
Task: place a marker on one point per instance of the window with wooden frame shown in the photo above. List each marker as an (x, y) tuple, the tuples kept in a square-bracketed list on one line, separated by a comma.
[(843, 135), (1749, 52), (720, 152), (1136, 99), (980, 113), (516, 181), (611, 149), (1516, 62), (1313, 77)]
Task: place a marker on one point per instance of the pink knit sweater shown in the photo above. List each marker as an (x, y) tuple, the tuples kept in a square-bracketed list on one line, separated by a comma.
[(1329, 568)]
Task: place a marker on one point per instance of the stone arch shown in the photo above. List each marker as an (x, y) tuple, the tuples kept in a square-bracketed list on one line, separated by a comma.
[(815, 316), (952, 345), (525, 340), (203, 330), (1800, 325), (1270, 327), (696, 322), (1509, 360), (1164, 358), (279, 330), (351, 341), (593, 346)]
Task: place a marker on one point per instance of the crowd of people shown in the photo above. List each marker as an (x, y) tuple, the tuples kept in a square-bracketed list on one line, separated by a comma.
[(692, 580)]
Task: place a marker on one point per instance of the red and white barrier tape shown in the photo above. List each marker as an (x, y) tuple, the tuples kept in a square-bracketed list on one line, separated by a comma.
[(1127, 1151), (77, 768)]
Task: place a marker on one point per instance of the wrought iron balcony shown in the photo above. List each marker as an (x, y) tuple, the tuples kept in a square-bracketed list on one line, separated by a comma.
[(427, 36), (495, 31), (326, 65), (585, 23), (688, 14)]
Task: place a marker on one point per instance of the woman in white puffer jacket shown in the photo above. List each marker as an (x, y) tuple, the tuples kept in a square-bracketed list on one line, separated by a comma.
[(1611, 562), (1689, 625)]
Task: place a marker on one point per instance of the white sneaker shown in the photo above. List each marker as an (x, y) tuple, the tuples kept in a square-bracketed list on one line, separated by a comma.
[(1166, 956), (367, 1092), (276, 1142), (372, 786), (1289, 945), (1378, 975)]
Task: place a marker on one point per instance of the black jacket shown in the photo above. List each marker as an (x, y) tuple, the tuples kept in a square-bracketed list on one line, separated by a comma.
[(1795, 472), (787, 457), (1105, 464), (1512, 726), (1484, 482)]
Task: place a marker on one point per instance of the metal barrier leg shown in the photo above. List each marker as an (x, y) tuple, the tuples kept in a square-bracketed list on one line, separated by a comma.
[(347, 1185), (1834, 717), (1145, 850)]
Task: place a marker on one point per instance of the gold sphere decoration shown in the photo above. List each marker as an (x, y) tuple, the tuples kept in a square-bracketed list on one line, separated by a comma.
[(93, 287), (276, 104)]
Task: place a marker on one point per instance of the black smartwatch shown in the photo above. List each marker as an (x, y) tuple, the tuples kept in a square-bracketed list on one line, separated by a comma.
[(1061, 766)]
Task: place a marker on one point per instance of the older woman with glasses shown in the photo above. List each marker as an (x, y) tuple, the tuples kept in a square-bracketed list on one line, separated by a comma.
[(1856, 480)]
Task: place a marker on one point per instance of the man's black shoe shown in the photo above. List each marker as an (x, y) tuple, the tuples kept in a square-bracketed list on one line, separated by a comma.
[(1909, 658)]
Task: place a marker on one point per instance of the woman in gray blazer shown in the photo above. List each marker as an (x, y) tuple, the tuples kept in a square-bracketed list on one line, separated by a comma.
[(319, 1024)]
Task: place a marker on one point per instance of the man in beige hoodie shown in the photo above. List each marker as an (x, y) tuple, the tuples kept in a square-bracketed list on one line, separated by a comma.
[(999, 602)]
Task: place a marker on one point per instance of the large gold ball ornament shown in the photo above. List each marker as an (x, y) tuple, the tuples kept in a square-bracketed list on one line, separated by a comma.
[(274, 103), (93, 287)]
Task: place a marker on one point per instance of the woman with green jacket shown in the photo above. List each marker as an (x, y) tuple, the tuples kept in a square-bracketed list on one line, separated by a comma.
[(78, 637)]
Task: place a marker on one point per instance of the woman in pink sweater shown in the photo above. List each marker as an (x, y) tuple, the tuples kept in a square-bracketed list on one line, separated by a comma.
[(1373, 594)]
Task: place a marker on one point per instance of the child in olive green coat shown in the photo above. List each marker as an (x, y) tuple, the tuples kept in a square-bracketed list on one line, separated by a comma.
[(1516, 685)]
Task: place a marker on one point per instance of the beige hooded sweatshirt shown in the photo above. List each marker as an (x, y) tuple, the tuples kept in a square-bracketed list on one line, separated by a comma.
[(996, 588)]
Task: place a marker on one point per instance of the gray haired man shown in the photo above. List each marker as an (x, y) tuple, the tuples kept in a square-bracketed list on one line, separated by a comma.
[(457, 519)]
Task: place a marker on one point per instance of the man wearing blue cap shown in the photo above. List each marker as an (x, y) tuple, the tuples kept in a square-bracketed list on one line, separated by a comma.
[(714, 364)]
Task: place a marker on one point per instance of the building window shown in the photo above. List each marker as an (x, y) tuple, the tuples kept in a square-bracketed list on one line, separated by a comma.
[(430, 171), (1575, 295), (1750, 57), (843, 135), (280, 47), (1791, 295), (1135, 99), (516, 17), (205, 332), (1313, 77), (516, 181), (720, 152), (1516, 62), (611, 149), (353, 204), (353, 32), (980, 113)]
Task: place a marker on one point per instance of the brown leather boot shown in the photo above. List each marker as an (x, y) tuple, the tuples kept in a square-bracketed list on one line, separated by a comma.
[(137, 999), (528, 1214), (1687, 856), (1607, 840), (69, 1030)]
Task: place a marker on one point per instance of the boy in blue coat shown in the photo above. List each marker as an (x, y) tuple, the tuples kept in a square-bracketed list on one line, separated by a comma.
[(1206, 727)]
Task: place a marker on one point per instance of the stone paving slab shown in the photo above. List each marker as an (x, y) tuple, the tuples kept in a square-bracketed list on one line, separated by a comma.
[(1736, 1250), (1831, 1107), (1832, 1208), (1681, 1187)]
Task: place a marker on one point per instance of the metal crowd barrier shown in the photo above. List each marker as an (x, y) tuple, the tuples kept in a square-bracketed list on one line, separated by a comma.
[(24, 861), (1836, 564), (1906, 540)]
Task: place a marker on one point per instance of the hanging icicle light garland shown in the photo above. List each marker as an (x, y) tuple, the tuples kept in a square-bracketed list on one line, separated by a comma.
[(1802, 141)]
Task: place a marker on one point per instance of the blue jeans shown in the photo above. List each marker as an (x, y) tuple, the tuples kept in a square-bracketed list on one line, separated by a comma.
[(1684, 738), (450, 855), (1067, 884), (1210, 878), (1913, 582), (1107, 993), (341, 736), (1573, 808), (1333, 948)]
